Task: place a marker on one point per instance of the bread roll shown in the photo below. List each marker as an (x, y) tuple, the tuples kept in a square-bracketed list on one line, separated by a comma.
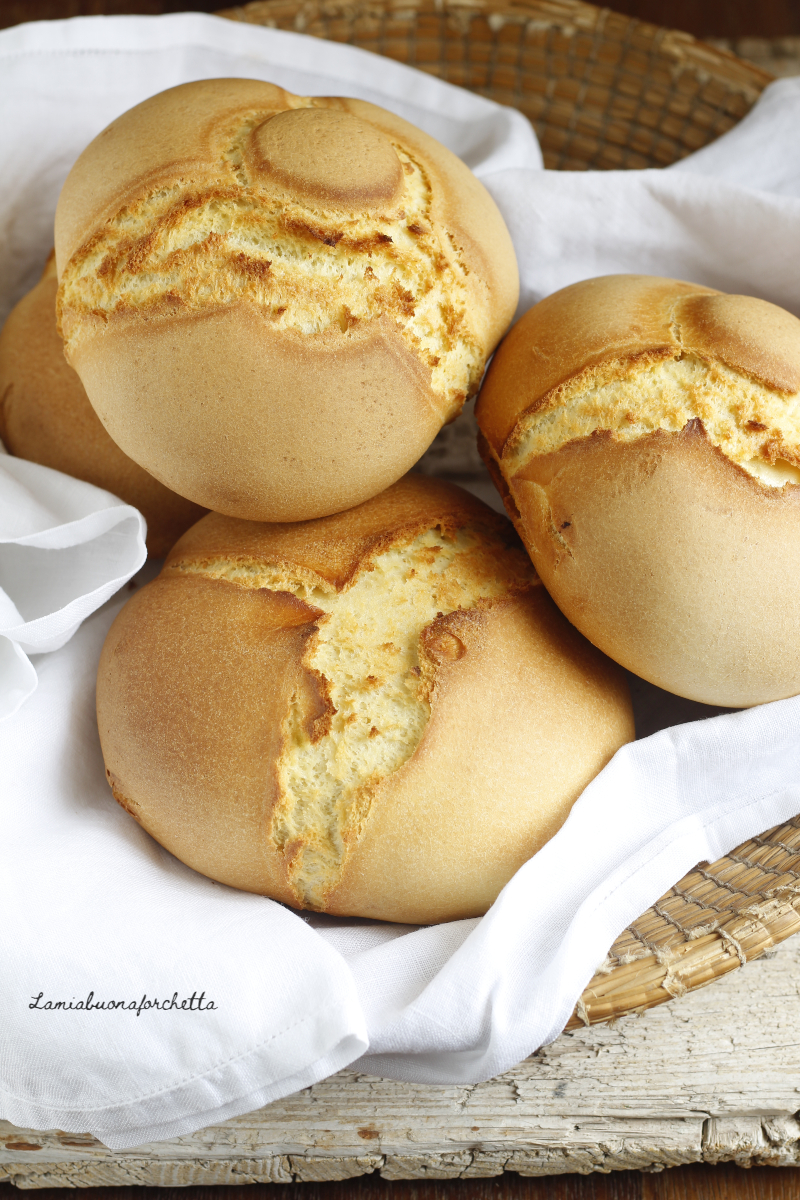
[(46, 417), (275, 302), (646, 435), (379, 713)]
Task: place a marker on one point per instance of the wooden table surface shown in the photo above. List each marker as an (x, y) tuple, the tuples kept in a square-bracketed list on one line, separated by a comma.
[(716, 19), (724, 1182)]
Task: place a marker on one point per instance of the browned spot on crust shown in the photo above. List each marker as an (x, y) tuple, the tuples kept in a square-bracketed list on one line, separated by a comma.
[(404, 301), (440, 644), (139, 252), (254, 268), (329, 237), (318, 720), (368, 241), (776, 450), (129, 805)]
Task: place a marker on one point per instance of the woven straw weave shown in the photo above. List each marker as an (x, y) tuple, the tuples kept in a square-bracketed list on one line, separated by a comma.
[(602, 91), (717, 918)]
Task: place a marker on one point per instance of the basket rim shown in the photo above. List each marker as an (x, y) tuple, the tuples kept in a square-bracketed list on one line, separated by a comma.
[(554, 12)]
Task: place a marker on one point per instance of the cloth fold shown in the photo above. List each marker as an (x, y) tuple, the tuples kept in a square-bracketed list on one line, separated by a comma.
[(65, 548), (138, 1000)]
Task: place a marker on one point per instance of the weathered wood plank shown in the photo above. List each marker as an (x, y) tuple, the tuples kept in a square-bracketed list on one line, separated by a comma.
[(711, 1077)]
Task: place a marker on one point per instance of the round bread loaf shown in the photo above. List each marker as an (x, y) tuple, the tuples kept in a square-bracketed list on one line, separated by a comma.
[(645, 434), (46, 417), (379, 713), (275, 302)]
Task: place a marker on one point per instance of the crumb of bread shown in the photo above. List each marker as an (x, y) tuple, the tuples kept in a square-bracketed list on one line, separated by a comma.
[(199, 246), (366, 649), (754, 425)]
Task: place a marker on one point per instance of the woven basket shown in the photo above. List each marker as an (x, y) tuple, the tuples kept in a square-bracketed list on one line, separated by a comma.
[(602, 91)]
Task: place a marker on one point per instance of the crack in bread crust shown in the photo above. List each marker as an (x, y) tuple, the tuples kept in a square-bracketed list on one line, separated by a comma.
[(195, 246), (755, 426), (374, 653)]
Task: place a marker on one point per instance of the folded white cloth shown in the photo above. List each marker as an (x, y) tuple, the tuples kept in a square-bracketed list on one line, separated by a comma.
[(255, 1001), (65, 547)]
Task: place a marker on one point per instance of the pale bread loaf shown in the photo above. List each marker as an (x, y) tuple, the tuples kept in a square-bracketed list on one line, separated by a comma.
[(645, 433), (379, 713), (46, 417), (274, 301)]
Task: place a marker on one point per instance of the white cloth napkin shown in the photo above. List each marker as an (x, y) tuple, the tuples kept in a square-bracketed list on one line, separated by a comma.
[(65, 547), (272, 1001)]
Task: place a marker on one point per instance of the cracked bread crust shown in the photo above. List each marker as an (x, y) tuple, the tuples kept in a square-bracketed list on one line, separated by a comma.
[(645, 436), (46, 417), (332, 270), (377, 714)]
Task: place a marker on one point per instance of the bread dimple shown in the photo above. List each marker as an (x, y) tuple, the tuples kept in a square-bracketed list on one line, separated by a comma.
[(327, 155)]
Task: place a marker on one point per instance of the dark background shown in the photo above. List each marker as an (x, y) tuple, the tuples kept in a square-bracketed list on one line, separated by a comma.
[(732, 20), (704, 18)]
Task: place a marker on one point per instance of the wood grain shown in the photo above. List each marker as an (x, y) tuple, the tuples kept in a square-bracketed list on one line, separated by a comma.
[(713, 1077), (682, 1183)]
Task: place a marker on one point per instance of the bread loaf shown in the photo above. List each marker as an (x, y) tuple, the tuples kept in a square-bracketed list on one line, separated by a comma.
[(379, 713), (46, 417), (645, 434), (273, 301)]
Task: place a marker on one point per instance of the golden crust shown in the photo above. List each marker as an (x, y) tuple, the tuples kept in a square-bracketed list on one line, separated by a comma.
[(333, 548), (673, 560), (522, 720), (750, 335), (328, 156), (171, 135), (203, 205), (611, 321), (336, 425), (178, 752), (521, 711), (653, 474), (46, 417), (177, 134), (610, 328)]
